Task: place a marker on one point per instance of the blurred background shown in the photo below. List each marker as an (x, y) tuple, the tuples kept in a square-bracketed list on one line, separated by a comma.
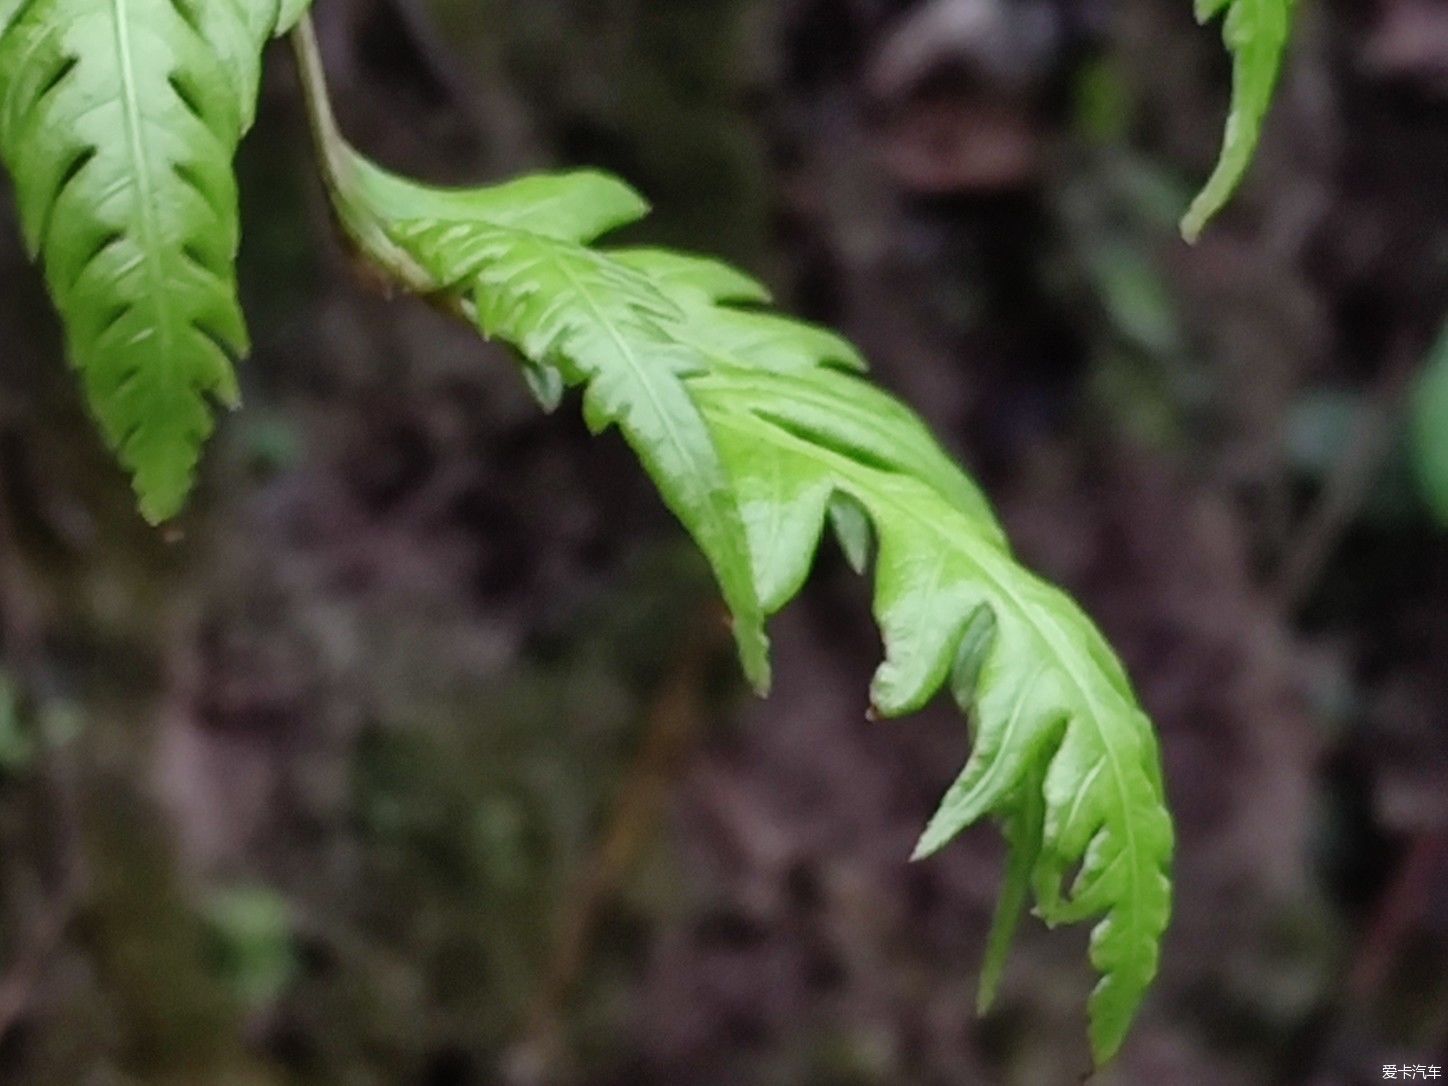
[(415, 753)]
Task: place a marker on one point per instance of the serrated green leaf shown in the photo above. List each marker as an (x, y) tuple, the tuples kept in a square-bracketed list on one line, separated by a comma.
[(1256, 34), (118, 123), (760, 431), (1429, 430)]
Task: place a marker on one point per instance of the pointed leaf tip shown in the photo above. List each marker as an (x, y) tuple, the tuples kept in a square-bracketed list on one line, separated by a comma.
[(1256, 33)]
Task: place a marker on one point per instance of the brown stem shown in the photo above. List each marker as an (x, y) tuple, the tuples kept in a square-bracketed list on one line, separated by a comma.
[(671, 728)]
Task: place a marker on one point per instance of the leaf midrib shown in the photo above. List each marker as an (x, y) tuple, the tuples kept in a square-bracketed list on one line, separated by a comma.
[(628, 354), (143, 182)]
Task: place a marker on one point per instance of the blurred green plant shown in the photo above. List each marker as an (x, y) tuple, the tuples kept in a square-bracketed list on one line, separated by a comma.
[(1256, 34), (1429, 429), (26, 732), (250, 932), (17, 746)]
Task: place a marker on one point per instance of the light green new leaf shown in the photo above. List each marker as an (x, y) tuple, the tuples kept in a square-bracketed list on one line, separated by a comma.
[(759, 431), (1256, 34), (118, 122), (1429, 429)]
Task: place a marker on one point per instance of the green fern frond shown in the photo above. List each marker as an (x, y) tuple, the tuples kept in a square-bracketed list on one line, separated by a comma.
[(1256, 34), (118, 122), (760, 431)]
